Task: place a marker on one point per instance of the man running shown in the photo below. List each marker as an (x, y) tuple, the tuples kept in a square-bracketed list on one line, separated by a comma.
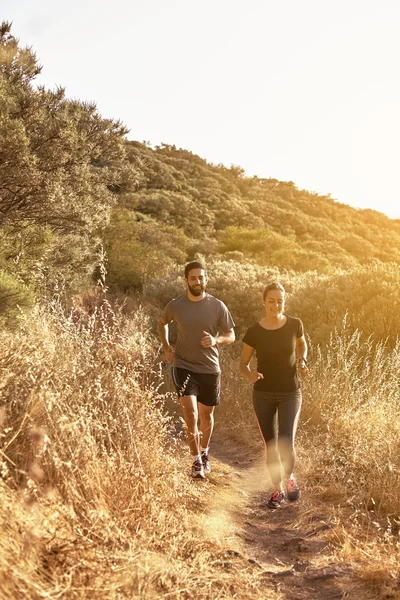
[(203, 323)]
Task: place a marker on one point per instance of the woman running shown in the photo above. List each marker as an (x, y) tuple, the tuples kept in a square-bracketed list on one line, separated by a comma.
[(281, 352)]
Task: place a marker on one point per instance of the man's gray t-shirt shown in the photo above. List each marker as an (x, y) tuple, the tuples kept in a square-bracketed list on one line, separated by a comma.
[(193, 319)]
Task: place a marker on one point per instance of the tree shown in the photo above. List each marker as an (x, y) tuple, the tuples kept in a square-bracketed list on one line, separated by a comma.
[(61, 165), (59, 159), (137, 251)]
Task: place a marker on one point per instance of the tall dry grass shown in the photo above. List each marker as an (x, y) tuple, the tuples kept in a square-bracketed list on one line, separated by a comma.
[(96, 501), (348, 446), (350, 422), (235, 418)]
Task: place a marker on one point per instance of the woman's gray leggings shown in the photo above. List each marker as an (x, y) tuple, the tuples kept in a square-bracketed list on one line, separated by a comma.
[(277, 415)]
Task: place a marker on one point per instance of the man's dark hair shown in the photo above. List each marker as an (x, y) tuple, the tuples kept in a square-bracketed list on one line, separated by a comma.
[(193, 265)]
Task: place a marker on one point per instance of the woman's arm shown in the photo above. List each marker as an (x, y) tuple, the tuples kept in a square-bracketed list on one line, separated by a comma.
[(244, 365), (301, 353)]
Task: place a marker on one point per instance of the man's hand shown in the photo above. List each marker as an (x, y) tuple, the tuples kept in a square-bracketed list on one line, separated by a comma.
[(208, 340), (254, 376), (169, 353)]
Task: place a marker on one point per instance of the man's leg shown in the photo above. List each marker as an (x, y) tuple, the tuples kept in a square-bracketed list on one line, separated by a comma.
[(187, 389), (208, 399), (206, 416), (190, 415)]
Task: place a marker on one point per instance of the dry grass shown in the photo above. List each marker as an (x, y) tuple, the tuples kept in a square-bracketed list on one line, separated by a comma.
[(348, 447), (235, 417), (87, 510), (349, 434), (351, 421), (94, 500)]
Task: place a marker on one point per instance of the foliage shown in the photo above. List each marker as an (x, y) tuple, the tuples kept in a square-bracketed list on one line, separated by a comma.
[(60, 164), (14, 297), (49, 148), (270, 222), (85, 447), (139, 250), (269, 248), (21, 250), (348, 437), (369, 296), (351, 411), (239, 285)]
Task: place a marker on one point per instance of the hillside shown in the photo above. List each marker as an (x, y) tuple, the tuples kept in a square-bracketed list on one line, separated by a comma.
[(220, 210)]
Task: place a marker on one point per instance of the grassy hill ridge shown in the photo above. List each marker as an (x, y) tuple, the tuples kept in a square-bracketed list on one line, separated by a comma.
[(233, 212)]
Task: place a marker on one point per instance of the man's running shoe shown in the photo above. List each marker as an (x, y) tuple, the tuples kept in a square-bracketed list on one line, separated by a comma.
[(293, 491), (197, 470), (276, 499), (206, 462)]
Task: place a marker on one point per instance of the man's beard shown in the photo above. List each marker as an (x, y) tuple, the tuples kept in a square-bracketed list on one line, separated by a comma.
[(198, 290)]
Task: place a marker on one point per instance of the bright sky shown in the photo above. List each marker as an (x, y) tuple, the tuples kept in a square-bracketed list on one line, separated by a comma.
[(300, 90)]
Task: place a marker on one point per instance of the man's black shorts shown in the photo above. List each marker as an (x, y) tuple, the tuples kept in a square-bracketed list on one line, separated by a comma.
[(206, 386)]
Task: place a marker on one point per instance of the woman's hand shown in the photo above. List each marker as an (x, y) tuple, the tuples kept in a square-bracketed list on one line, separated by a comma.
[(254, 376), (302, 366)]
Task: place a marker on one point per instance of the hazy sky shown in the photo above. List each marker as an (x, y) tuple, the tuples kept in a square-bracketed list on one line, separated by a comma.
[(300, 90)]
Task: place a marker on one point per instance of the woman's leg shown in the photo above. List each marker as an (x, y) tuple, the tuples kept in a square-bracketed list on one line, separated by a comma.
[(265, 407), (288, 417)]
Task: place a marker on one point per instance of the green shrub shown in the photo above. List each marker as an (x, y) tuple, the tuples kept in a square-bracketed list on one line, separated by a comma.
[(138, 250), (14, 297), (369, 295), (239, 285)]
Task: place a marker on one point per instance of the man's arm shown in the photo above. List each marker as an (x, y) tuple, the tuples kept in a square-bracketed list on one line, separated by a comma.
[(163, 333), (224, 338)]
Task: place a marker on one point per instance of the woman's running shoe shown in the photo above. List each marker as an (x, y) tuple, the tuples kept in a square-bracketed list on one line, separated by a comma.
[(293, 491), (197, 470), (276, 499)]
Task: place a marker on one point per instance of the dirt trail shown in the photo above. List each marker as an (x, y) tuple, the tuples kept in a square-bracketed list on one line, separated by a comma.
[(293, 547)]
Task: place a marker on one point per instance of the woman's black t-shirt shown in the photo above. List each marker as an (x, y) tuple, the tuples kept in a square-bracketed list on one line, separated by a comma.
[(276, 355)]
